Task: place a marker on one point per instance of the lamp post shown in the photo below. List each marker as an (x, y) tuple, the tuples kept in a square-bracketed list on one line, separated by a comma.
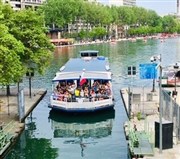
[(160, 108), (154, 58), (175, 82), (30, 74), (176, 67)]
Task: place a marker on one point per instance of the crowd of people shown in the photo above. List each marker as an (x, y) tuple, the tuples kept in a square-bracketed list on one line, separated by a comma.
[(69, 91)]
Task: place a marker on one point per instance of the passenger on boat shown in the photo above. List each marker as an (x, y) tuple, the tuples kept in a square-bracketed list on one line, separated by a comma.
[(60, 95), (77, 92), (82, 93), (92, 95), (58, 86), (86, 92), (71, 88), (63, 86), (87, 84), (95, 86), (67, 96)]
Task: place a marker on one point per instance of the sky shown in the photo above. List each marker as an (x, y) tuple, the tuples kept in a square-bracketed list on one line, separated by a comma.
[(162, 7)]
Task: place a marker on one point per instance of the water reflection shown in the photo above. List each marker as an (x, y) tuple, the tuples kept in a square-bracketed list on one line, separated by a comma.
[(91, 125), (82, 129), (27, 147)]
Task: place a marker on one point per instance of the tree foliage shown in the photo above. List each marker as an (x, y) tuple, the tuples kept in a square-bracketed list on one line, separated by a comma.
[(169, 24), (23, 44), (11, 69), (60, 13), (29, 28)]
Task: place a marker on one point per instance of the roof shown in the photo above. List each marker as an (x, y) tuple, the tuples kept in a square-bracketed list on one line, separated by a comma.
[(93, 64), (85, 67), (61, 40), (81, 74)]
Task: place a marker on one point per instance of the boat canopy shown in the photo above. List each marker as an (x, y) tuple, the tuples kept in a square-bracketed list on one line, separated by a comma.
[(99, 64), (82, 75)]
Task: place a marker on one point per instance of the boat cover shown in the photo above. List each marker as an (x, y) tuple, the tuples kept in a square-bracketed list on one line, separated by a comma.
[(79, 75)]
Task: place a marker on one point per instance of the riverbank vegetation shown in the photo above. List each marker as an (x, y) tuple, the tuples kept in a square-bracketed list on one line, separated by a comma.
[(134, 21)]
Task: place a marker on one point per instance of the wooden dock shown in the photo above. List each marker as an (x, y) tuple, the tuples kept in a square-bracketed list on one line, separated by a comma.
[(10, 124)]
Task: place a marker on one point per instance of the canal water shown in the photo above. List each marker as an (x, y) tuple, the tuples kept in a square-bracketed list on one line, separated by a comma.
[(51, 135)]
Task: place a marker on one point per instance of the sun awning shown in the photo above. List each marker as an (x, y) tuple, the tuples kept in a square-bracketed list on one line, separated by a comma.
[(87, 75)]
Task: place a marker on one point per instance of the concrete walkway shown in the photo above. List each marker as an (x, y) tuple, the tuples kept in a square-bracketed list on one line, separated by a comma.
[(148, 104), (9, 113)]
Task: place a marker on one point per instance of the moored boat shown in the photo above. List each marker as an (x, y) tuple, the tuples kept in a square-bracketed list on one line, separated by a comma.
[(171, 75), (83, 84)]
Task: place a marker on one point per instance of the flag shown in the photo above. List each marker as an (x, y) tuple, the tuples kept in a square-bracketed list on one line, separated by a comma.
[(82, 81)]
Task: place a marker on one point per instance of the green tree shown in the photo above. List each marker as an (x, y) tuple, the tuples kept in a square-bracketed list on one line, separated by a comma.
[(27, 26), (153, 19), (98, 32), (126, 15), (169, 24), (11, 68), (60, 12), (141, 15)]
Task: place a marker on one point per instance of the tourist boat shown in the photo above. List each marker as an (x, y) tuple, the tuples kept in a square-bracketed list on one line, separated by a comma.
[(83, 84)]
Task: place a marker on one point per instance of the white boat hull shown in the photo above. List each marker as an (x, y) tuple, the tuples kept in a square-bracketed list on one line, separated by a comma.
[(81, 105)]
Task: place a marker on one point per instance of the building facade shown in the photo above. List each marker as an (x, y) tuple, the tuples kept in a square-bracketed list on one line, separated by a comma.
[(21, 4), (116, 2), (129, 2)]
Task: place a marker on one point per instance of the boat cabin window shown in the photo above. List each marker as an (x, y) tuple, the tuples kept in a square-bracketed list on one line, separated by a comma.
[(88, 54), (84, 54), (93, 54)]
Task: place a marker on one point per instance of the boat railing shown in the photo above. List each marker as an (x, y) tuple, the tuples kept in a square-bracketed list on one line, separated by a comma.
[(80, 99)]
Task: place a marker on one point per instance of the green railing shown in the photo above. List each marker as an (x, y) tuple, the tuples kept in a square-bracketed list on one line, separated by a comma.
[(140, 142), (6, 134)]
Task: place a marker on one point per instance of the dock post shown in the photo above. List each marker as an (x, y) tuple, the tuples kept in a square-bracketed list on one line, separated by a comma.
[(129, 102)]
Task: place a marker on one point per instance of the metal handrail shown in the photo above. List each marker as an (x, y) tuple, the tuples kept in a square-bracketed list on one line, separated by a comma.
[(6, 134)]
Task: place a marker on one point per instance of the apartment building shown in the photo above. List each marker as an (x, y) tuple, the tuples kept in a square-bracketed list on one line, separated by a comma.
[(116, 2), (21, 4), (129, 2)]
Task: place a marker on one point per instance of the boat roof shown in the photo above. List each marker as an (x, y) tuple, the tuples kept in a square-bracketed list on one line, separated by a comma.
[(81, 74), (89, 64), (85, 67)]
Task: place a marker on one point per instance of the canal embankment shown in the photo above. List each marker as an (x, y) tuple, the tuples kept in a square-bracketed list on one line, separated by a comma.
[(140, 130), (11, 125)]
